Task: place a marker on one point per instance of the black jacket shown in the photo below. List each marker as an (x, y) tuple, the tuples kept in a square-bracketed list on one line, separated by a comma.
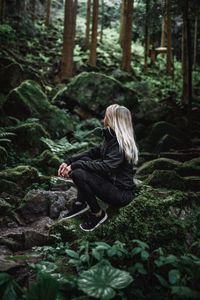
[(106, 160)]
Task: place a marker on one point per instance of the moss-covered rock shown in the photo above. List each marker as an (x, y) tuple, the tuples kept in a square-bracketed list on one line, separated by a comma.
[(21, 175), (95, 91), (28, 100), (47, 162), (10, 77), (157, 164), (166, 178), (9, 187), (28, 136), (192, 183), (3, 155), (190, 168), (157, 216), (163, 134), (4, 207)]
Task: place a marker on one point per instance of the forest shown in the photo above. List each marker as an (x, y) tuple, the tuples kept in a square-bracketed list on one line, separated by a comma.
[(62, 62)]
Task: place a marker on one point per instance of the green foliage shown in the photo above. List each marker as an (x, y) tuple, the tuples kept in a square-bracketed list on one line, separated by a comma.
[(4, 139), (7, 34), (9, 289)]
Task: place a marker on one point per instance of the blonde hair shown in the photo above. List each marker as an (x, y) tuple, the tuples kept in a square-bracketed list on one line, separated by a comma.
[(120, 120)]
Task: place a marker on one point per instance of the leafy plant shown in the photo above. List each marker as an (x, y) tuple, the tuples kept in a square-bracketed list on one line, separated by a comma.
[(9, 288), (102, 281)]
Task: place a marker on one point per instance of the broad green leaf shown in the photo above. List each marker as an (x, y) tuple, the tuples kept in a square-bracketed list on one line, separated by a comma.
[(162, 280), (136, 250), (174, 276), (144, 255), (102, 280), (139, 268), (143, 245), (72, 253)]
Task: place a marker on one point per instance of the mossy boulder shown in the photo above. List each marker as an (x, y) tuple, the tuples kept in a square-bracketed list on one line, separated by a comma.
[(3, 155), (165, 136), (157, 164), (28, 136), (154, 216), (94, 92), (47, 162), (190, 168), (29, 101), (9, 187), (10, 77), (167, 179), (22, 175), (5, 207)]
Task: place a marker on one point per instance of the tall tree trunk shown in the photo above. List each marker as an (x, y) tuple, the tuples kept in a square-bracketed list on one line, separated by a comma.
[(126, 50), (121, 32), (146, 36), (186, 58), (195, 40), (68, 42), (33, 10), (163, 34), (48, 12), (87, 31), (2, 7), (169, 39), (102, 20), (93, 46)]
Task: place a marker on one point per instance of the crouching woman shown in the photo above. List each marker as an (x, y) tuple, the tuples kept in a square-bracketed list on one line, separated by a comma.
[(106, 171)]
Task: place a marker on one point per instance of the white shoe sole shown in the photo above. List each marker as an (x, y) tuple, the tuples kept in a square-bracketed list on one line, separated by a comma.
[(76, 214), (103, 220)]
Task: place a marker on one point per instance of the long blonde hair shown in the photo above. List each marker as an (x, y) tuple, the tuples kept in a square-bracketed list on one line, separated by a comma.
[(120, 120)]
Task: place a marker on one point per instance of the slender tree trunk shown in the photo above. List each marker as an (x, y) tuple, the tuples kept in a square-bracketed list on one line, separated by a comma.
[(93, 46), (186, 58), (2, 7), (126, 50), (33, 10), (169, 39), (48, 12), (146, 36), (68, 43), (87, 32), (195, 40), (102, 20), (163, 34), (121, 32)]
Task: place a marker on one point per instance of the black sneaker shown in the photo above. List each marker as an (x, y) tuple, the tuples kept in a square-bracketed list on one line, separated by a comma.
[(77, 209), (94, 221)]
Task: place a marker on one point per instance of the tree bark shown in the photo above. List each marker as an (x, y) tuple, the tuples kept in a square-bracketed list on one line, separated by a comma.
[(93, 47), (87, 31), (146, 36), (121, 32), (186, 58), (68, 41), (126, 50), (195, 40), (48, 12), (102, 20), (169, 39), (33, 10), (2, 7)]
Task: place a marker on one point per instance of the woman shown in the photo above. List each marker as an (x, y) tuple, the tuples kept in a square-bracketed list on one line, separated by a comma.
[(105, 171)]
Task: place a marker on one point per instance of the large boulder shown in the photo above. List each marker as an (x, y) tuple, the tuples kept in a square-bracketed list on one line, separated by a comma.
[(190, 168), (29, 101), (157, 164), (47, 162), (94, 92), (22, 175), (166, 179)]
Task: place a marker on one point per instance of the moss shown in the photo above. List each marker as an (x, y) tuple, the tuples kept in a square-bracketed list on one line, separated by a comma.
[(157, 164), (147, 218), (190, 168), (9, 187), (95, 91), (166, 178), (5, 207), (47, 162), (21, 175), (28, 100), (168, 142), (28, 136)]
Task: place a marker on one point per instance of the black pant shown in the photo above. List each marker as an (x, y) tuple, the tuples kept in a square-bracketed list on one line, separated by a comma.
[(90, 184)]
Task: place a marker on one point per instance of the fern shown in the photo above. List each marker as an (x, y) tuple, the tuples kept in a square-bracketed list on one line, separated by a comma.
[(3, 139)]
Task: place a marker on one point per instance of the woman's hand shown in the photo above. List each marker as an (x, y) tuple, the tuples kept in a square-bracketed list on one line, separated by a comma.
[(62, 169), (67, 172)]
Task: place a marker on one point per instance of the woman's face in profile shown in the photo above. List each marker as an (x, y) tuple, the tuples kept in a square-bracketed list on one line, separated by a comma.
[(105, 121)]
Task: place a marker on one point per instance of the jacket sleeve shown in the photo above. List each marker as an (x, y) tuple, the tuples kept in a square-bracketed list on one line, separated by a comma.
[(93, 153), (112, 161)]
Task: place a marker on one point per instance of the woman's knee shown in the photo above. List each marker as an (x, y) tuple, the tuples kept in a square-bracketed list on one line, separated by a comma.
[(78, 174)]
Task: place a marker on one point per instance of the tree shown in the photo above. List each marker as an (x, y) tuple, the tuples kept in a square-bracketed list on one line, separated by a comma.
[(186, 56), (33, 10), (102, 20), (169, 38), (127, 36), (2, 7), (195, 40), (87, 31), (146, 35), (93, 46), (121, 32), (48, 12), (68, 40)]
